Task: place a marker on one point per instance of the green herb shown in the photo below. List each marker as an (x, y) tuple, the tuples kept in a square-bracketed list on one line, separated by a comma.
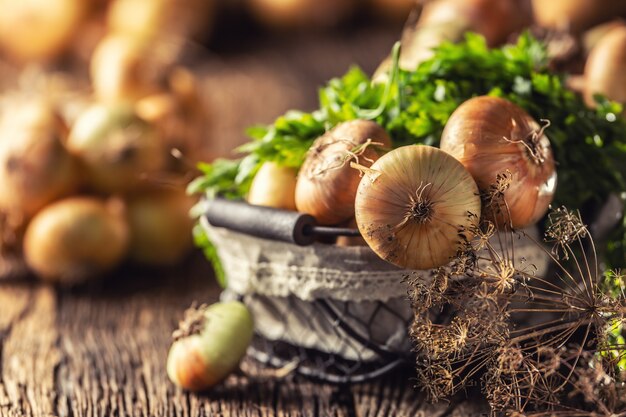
[(589, 144), (202, 241)]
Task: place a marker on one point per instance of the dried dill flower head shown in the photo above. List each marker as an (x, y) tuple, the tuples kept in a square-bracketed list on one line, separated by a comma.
[(565, 227), (539, 344)]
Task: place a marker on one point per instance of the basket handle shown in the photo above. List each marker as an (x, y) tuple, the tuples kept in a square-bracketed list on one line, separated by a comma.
[(268, 222)]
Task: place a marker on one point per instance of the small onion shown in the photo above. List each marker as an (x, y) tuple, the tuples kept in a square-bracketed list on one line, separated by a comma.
[(327, 183), (274, 186), (605, 71), (75, 239), (209, 345), (117, 148), (411, 205), (491, 136)]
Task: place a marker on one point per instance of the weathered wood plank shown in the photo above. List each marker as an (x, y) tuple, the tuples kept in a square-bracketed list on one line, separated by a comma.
[(29, 356)]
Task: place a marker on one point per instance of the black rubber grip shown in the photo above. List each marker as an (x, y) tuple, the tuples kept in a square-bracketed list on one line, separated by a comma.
[(263, 222)]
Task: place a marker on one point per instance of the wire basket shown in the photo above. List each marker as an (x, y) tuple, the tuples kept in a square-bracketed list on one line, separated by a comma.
[(336, 314)]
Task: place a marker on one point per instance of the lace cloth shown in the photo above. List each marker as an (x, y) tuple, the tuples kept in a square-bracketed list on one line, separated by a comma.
[(280, 269)]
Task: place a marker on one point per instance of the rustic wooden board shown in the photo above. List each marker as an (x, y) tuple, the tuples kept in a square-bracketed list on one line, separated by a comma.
[(100, 351)]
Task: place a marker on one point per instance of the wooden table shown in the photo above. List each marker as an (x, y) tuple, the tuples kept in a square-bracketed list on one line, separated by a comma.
[(101, 350)]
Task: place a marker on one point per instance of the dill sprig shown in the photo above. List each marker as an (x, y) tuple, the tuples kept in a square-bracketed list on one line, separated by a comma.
[(536, 344)]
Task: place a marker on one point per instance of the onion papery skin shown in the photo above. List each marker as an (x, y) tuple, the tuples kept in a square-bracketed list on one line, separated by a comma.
[(386, 197), (487, 135), (327, 184)]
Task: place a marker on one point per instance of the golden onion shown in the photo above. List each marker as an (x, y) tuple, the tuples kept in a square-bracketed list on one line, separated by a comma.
[(412, 203)]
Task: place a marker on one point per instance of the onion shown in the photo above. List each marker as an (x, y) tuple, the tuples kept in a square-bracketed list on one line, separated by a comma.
[(39, 29), (327, 184), (605, 71), (160, 227), (35, 168), (209, 344), (117, 148), (576, 15), (491, 136), (75, 239), (411, 205), (122, 68), (302, 13), (274, 186)]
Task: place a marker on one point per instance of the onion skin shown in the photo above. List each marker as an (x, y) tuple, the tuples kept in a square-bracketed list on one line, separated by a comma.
[(160, 227), (605, 70), (75, 239), (35, 168), (475, 136), (327, 185), (200, 360), (410, 235), (274, 186), (116, 147)]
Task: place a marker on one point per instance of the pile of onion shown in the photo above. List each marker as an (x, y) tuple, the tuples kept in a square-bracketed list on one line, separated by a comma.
[(412, 204), (327, 182), (492, 136)]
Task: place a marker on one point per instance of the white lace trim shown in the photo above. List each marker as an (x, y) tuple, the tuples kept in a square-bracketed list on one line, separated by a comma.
[(279, 269)]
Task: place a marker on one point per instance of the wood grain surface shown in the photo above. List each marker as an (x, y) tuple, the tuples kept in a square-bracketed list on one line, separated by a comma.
[(100, 351)]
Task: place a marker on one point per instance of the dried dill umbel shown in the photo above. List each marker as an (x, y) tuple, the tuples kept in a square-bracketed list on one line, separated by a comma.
[(540, 344)]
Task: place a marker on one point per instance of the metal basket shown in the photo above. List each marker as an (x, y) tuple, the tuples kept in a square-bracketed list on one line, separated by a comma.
[(336, 314)]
